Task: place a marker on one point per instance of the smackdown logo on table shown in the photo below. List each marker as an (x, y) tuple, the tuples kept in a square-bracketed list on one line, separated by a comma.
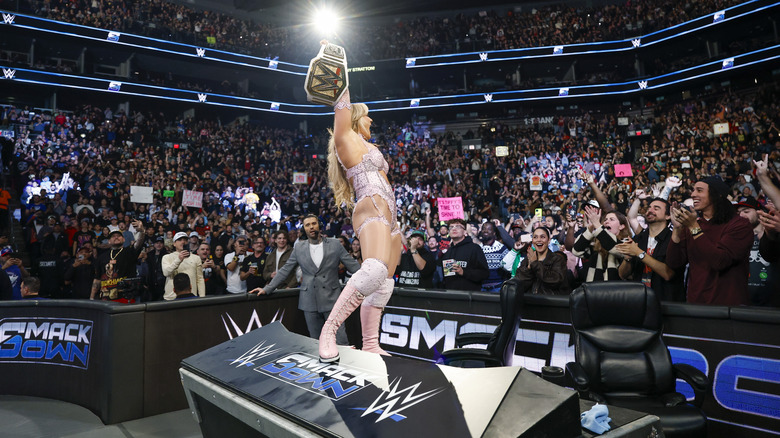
[(306, 372), (335, 382), (51, 341)]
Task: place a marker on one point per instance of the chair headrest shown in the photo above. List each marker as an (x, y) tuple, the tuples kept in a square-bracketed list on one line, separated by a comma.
[(512, 292), (615, 303)]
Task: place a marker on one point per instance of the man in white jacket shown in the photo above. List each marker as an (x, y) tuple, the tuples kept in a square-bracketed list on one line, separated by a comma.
[(182, 261)]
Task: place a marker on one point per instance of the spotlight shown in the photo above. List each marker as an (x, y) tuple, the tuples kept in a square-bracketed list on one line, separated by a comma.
[(326, 21)]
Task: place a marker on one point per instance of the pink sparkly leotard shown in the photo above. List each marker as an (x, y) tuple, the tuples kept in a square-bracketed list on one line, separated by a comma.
[(367, 181)]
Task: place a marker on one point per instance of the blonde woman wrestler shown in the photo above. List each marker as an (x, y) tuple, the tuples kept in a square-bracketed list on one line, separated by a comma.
[(358, 176)]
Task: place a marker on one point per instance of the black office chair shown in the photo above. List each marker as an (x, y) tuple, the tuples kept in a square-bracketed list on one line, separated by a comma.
[(500, 344), (621, 358)]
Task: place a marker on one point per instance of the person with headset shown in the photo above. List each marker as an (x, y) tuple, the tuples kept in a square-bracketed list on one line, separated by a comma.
[(318, 257)]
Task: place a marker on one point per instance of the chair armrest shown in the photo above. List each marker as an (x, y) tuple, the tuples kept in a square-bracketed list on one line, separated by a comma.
[(673, 399), (578, 376), (694, 377), (472, 338), (582, 383), (470, 354)]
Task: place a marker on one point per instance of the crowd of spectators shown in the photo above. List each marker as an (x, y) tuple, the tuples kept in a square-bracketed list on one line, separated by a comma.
[(484, 30), (240, 166), (546, 26)]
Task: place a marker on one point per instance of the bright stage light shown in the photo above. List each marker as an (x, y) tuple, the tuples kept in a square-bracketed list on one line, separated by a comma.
[(326, 21)]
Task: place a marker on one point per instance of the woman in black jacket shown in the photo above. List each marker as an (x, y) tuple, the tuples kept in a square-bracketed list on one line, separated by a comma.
[(543, 271)]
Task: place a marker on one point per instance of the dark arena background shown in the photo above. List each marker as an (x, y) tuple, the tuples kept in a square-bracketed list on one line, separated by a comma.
[(192, 116)]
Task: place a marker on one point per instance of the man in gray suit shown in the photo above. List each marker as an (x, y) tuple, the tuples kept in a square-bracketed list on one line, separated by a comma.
[(319, 259)]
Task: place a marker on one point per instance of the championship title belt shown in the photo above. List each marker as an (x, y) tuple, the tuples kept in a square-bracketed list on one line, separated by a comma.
[(326, 80)]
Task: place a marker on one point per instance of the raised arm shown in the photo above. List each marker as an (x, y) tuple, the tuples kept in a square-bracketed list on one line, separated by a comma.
[(602, 199), (770, 190), (633, 212), (348, 143), (428, 229)]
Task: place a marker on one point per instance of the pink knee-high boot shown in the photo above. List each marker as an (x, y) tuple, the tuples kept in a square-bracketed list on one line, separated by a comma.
[(348, 301), (367, 280), (371, 317)]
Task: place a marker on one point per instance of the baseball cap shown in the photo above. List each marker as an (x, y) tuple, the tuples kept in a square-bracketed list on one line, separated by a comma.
[(749, 202), (594, 203), (195, 234), (115, 232), (179, 235), (159, 239), (419, 233), (5, 251)]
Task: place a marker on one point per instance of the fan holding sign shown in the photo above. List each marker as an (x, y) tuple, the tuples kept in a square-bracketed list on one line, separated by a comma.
[(623, 170)]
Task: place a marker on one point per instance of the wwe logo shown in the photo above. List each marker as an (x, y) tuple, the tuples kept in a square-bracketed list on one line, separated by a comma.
[(488, 98), (200, 52), (483, 56), (329, 79), (387, 408), (636, 42), (642, 85), (9, 73), (9, 18), (259, 351), (202, 97), (254, 322)]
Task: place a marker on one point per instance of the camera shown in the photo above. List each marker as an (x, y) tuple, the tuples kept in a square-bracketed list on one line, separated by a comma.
[(127, 288)]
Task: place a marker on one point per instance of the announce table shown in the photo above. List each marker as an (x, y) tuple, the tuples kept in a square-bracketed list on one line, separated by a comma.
[(270, 382)]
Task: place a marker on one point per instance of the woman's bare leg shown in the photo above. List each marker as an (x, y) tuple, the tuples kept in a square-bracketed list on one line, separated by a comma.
[(372, 218), (387, 248)]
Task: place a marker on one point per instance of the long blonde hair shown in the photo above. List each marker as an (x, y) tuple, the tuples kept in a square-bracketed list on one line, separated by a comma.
[(343, 192)]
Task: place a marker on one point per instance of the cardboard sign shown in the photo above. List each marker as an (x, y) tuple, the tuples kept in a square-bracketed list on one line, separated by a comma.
[(141, 195), (300, 178), (450, 208), (502, 151), (536, 183), (168, 193), (721, 128), (191, 198), (623, 170)]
